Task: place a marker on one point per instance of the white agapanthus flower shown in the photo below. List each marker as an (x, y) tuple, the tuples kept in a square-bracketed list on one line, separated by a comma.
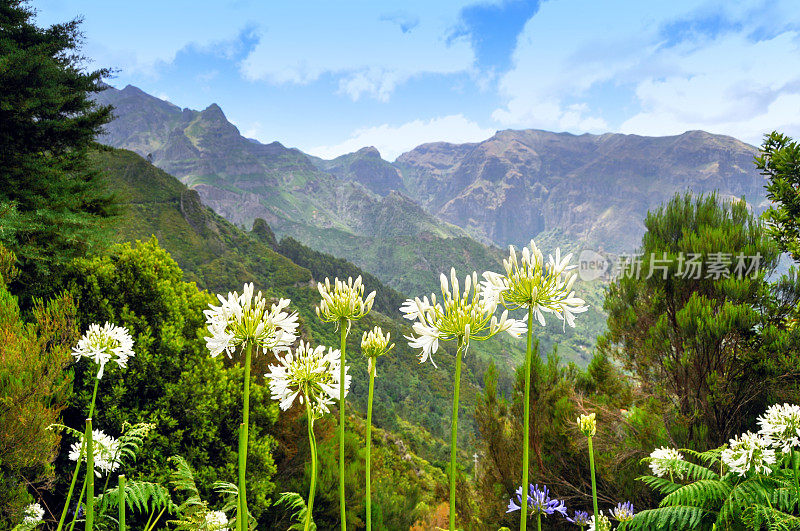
[(343, 300), (309, 373), (468, 315), (666, 461), (215, 520), (245, 318), (102, 344), (749, 452), (105, 450), (599, 523), (375, 344), (32, 515), (587, 424), (781, 425), (532, 283)]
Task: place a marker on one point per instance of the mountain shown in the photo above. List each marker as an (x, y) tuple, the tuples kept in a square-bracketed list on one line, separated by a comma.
[(595, 189), (353, 207)]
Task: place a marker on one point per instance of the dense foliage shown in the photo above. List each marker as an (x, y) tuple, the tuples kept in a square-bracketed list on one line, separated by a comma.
[(34, 387), (713, 343), (51, 202), (780, 163)]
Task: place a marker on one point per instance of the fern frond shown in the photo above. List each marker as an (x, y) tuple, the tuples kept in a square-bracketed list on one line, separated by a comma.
[(705, 493), (662, 485), (751, 492), (668, 518), (294, 502), (709, 457), (132, 440), (141, 496), (762, 516)]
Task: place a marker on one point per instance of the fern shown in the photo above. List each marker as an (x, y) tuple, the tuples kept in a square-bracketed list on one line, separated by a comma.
[(131, 441), (295, 502), (704, 493), (668, 518), (193, 511), (141, 496)]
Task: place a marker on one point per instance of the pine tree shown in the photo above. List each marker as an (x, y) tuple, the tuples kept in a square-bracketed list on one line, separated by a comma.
[(51, 200)]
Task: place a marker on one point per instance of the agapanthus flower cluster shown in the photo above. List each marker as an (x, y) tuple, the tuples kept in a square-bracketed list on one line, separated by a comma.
[(105, 450), (545, 287), (32, 515), (780, 424), (308, 373), (666, 461), (375, 344), (749, 452), (623, 512), (580, 518), (245, 318), (539, 502), (587, 424), (468, 315), (215, 520), (102, 344), (599, 523), (343, 300)]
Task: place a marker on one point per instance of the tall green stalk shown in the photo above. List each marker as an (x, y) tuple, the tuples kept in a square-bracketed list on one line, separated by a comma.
[(343, 344), (594, 484), (78, 462), (312, 442), (244, 515), (369, 443), (453, 430), (121, 500), (89, 476), (526, 430)]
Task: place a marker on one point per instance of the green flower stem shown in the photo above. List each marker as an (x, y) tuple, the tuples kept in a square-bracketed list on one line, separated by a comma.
[(241, 517), (77, 463), (312, 442), (538, 521), (369, 443), (121, 502), (243, 437), (453, 441), (526, 431), (89, 477), (80, 500), (594, 484), (343, 333)]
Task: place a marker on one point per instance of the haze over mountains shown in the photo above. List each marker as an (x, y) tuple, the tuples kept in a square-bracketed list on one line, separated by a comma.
[(591, 189)]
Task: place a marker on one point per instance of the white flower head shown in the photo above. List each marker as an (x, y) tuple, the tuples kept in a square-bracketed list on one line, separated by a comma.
[(308, 373), (532, 283), (665, 461), (215, 520), (32, 515), (343, 300), (105, 450), (245, 318), (781, 425), (102, 344), (468, 315), (587, 424), (599, 523), (374, 345), (749, 453)]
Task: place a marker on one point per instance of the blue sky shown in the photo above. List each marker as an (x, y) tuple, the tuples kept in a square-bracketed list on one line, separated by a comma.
[(331, 77)]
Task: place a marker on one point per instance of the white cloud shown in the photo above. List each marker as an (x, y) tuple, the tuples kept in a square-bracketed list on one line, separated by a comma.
[(362, 46), (732, 85), (393, 141), (656, 68)]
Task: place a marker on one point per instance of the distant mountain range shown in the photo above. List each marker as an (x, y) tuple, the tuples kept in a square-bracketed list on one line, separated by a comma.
[(591, 189)]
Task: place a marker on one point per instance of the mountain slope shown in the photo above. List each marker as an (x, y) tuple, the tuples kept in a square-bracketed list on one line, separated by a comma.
[(412, 399), (592, 188), (349, 209)]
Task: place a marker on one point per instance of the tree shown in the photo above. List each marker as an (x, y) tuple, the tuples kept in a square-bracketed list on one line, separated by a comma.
[(51, 201), (709, 339), (33, 391), (780, 162)]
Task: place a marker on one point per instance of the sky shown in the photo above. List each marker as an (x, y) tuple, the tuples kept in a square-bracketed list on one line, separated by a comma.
[(332, 77)]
